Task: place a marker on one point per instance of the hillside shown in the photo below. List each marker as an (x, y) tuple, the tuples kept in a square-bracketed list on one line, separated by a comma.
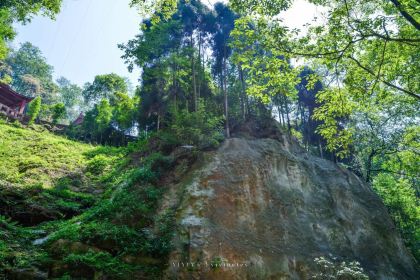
[(44, 179), (147, 210), (35, 157), (72, 210)]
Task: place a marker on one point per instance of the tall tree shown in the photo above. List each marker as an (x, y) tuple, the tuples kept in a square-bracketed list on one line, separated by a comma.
[(31, 74), (224, 24), (104, 87), (71, 96)]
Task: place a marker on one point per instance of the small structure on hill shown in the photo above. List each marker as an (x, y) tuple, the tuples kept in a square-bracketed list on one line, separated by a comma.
[(12, 104), (79, 120)]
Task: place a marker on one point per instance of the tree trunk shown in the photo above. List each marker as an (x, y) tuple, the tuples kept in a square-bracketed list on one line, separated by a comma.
[(289, 127), (225, 94), (282, 110), (199, 64), (279, 114), (244, 96), (175, 92), (369, 165), (320, 149), (193, 74)]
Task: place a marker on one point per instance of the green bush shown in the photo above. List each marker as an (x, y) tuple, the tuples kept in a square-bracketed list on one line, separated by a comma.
[(403, 204), (58, 112), (111, 236), (101, 262), (98, 164), (34, 109), (198, 128)]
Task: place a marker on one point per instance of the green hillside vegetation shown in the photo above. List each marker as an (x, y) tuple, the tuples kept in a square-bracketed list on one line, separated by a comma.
[(31, 157), (88, 208)]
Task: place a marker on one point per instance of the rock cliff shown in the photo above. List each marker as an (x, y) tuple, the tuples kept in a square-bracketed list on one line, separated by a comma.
[(264, 209)]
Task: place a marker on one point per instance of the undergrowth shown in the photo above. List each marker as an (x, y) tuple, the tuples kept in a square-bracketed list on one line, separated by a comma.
[(98, 207)]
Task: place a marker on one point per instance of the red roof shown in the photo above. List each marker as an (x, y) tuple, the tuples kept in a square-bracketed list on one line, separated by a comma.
[(79, 119), (11, 98)]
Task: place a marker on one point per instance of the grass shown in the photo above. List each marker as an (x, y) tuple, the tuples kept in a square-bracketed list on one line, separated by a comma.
[(32, 156), (94, 206)]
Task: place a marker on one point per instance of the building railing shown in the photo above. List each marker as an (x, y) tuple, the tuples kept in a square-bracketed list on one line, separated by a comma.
[(9, 112)]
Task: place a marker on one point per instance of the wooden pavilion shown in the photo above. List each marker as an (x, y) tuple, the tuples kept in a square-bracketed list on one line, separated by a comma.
[(12, 104)]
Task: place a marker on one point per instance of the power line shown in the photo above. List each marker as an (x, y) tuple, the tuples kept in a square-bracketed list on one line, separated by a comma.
[(81, 24)]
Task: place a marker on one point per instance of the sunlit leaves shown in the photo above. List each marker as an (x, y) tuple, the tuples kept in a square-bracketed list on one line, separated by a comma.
[(155, 9), (267, 7), (400, 198), (16, 10), (6, 31), (335, 108), (267, 66), (23, 10)]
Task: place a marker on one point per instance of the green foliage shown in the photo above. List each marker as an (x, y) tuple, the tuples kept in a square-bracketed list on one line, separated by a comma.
[(6, 31), (114, 224), (124, 110), (198, 128), (267, 7), (22, 11), (154, 41), (34, 109), (58, 112), (98, 164), (216, 262), (158, 10), (400, 198), (112, 116), (118, 226), (104, 116), (297, 135), (14, 247), (336, 107), (104, 87), (71, 96), (101, 262), (30, 156), (266, 63), (330, 270), (31, 74)]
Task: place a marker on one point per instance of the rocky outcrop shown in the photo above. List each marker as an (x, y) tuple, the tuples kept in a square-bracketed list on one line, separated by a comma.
[(264, 209)]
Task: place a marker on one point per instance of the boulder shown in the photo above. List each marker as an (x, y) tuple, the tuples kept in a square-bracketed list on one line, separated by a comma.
[(265, 209)]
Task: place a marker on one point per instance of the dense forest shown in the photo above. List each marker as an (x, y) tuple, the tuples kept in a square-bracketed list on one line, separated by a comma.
[(346, 88)]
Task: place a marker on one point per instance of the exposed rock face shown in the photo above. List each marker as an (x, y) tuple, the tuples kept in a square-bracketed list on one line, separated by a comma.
[(267, 208)]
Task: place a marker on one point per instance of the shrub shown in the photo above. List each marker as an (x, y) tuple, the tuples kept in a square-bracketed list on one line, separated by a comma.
[(98, 164), (329, 270), (102, 262), (34, 109), (400, 197), (198, 128), (58, 112)]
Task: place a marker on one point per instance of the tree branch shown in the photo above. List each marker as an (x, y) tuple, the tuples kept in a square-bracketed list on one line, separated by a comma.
[(405, 14), (393, 172), (412, 94)]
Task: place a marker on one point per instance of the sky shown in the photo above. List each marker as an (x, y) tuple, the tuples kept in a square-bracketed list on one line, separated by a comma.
[(82, 41)]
